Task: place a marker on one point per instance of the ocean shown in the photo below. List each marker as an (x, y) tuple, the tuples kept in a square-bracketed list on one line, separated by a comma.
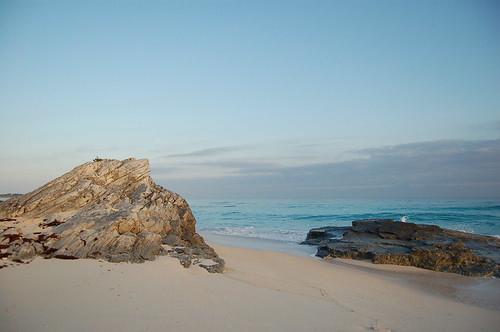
[(288, 221)]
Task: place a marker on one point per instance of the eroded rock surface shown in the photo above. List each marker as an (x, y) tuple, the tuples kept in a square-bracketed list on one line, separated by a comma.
[(385, 241), (106, 209)]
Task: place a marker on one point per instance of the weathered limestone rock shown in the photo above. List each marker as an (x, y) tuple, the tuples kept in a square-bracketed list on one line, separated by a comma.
[(430, 247), (107, 209)]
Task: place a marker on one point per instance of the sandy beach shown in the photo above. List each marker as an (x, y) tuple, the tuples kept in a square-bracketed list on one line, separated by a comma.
[(259, 291), (260, 166)]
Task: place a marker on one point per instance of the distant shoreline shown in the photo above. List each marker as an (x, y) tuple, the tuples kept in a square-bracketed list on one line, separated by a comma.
[(4, 197)]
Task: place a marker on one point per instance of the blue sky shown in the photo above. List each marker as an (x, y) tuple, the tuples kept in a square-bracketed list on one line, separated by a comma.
[(247, 93)]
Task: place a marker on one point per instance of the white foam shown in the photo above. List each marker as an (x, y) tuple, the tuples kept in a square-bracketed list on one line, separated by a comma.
[(252, 232)]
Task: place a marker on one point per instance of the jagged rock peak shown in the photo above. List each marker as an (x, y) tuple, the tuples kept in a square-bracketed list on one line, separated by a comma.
[(107, 209)]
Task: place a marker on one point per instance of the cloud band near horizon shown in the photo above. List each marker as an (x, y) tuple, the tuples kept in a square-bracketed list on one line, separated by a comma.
[(438, 169)]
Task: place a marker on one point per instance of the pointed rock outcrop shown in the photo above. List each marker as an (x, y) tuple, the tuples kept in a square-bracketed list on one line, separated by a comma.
[(106, 209)]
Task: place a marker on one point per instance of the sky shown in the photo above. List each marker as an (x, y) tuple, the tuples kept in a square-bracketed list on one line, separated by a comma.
[(256, 99)]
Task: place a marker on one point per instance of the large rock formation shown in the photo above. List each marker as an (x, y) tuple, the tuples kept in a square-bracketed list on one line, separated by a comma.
[(106, 209), (430, 247)]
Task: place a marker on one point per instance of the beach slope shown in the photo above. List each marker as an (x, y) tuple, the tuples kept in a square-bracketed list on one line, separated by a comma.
[(259, 291)]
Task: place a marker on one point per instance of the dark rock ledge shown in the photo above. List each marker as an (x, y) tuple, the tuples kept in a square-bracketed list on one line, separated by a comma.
[(385, 241)]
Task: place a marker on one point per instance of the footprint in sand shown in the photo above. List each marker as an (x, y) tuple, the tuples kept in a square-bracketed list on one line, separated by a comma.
[(377, 328)]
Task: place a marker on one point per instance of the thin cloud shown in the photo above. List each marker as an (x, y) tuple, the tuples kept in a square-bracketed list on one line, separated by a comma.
[(244, 167), (208, 152), (441, 147), (214, 169)]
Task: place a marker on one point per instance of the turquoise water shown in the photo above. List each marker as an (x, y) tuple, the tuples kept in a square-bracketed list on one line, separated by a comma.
[(289, 220)]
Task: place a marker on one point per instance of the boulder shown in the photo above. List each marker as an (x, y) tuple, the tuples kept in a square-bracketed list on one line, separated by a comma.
[(106, 209), (384, 241), (321, 234)]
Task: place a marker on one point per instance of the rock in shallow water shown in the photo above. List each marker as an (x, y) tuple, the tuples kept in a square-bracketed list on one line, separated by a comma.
[(430, 247), (107, 209)]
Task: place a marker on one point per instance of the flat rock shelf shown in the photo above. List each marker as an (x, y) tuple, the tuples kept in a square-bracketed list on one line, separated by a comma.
[(431, 247)]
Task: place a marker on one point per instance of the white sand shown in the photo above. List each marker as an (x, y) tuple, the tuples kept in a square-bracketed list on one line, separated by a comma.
[(260, 291)]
